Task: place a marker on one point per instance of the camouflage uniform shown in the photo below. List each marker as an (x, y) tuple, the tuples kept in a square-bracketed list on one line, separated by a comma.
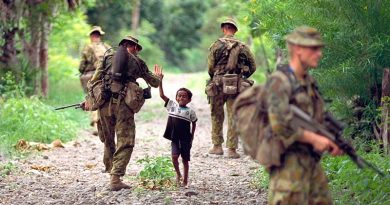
[(90, 56), (216, 68), (300, 178), (119, 119)]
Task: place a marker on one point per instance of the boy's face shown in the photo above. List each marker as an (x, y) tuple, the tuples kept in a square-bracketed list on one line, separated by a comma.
[(182, 98)]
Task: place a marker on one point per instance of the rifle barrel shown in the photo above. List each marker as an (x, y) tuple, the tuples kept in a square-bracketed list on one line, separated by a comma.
[(77, 105)]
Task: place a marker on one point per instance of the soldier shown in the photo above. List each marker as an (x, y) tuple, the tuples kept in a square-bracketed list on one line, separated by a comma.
[(116, 116), (90, 56), (299, 179), (227, 56)]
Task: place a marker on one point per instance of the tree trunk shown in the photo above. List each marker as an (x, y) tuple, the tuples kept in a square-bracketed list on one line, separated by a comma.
[(9, 50), (135, 16), (43, 54), (33, 47), (385, 110)]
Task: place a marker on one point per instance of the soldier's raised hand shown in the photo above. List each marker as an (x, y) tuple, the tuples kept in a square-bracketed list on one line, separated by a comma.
[(158, 71)]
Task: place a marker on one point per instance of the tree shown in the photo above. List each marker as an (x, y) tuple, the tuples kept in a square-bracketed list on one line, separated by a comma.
[(36, 15)]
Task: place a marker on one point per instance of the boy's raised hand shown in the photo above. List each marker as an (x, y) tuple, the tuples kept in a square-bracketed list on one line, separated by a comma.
[(158, 71)]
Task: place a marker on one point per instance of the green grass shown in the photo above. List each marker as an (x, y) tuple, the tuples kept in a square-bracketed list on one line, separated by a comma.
[(66, 92), (32, 120)]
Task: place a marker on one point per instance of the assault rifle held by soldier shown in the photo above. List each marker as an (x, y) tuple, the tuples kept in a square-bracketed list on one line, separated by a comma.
[(332, 129), (76, 106)]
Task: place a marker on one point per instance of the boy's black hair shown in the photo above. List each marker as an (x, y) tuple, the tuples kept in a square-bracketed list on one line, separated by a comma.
[(189, 93)]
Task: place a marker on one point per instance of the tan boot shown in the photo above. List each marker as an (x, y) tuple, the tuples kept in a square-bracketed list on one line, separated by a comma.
[(216, 149), (116, 184), (233, 154)]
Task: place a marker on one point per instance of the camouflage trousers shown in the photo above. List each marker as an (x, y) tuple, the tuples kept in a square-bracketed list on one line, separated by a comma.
[(218, 116), (299, 180), (117, 120)]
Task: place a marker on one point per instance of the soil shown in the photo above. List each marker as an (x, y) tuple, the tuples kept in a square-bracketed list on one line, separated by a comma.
[(73, 174)]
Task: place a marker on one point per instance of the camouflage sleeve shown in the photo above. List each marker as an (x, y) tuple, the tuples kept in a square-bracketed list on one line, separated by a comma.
[(150, 78), (83, 60), (250, 62), (99, 69), (211, 60), (279, 113)]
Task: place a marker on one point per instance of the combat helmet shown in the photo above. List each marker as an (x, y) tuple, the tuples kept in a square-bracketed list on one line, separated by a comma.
[(305, 36), (131, 39), (97, 29), (231, 22)]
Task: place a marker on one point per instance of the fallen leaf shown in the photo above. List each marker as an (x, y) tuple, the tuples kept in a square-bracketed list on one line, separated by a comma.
[(22, 145), (41, 168), (90, 166), (57, 143)]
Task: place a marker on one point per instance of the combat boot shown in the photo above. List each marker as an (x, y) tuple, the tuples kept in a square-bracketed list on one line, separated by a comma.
[(233, 154), (216, 149), (116, 184)]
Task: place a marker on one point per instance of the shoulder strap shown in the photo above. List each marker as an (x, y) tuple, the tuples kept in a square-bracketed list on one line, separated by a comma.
[(286, 74)]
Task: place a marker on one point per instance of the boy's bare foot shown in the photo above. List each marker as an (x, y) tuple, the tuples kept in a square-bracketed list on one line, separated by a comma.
[(178, 180), (185, 184)]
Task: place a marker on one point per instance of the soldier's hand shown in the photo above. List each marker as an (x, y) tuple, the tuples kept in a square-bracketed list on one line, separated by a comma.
[(322, 144), (85, 106), (158, 71)]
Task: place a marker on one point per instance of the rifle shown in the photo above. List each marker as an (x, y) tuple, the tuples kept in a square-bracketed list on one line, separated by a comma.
[(76, 106), (331, 129)]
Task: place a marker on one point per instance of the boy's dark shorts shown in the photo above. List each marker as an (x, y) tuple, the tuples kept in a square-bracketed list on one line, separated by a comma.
[(184, 150)]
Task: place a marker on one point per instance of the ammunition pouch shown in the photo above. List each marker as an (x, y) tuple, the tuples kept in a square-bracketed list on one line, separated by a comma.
[(230, 84), (134, 98), (147, 93), (211, 88), (244, 84), (97, 94)]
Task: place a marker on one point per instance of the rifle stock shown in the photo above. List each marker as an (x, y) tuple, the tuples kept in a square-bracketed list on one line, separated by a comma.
[(331, 129)]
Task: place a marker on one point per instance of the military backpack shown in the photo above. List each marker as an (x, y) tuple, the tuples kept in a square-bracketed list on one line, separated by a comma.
[(251, 120)]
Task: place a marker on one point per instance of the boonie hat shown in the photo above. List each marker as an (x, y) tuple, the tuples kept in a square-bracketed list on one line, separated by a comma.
[(97, 29), (229, 21), (305, 36), (131, 39)]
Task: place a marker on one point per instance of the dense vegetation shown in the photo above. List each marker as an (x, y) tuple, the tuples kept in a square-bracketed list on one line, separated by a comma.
[(177, 35)]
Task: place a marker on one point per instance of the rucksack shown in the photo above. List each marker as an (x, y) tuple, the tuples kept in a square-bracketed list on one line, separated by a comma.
[(252, 123), (231, 50)]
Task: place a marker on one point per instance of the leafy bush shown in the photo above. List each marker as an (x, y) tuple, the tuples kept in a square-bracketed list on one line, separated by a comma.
[(6, 168), (351, 185), (32, 120), (9, 88), (260, 178), (157, 173)]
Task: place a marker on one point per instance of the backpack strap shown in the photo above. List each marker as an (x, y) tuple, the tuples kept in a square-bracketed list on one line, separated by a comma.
[(286, 74)]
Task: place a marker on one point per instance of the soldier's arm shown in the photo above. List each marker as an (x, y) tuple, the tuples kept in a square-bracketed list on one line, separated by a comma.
[(149, 77), (279, 113), (251, 62), (83, 60), (211, 61)]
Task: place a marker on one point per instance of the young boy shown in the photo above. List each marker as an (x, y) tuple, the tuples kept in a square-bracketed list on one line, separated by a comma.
[(178, 126)]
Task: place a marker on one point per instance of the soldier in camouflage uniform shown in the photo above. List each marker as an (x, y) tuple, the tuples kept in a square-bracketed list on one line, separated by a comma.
[(217, 61), (117, 118), (299, 179), (90, 56)]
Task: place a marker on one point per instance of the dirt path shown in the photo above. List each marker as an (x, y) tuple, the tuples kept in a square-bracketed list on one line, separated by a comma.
[(75, 177)]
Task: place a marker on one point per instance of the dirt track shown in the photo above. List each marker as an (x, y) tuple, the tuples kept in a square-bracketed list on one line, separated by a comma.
[(74, 175)]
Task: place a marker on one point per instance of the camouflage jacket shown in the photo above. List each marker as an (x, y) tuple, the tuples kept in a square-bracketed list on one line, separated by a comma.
[(217, 58), (302, 93), (137, 68), (90, 56)]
